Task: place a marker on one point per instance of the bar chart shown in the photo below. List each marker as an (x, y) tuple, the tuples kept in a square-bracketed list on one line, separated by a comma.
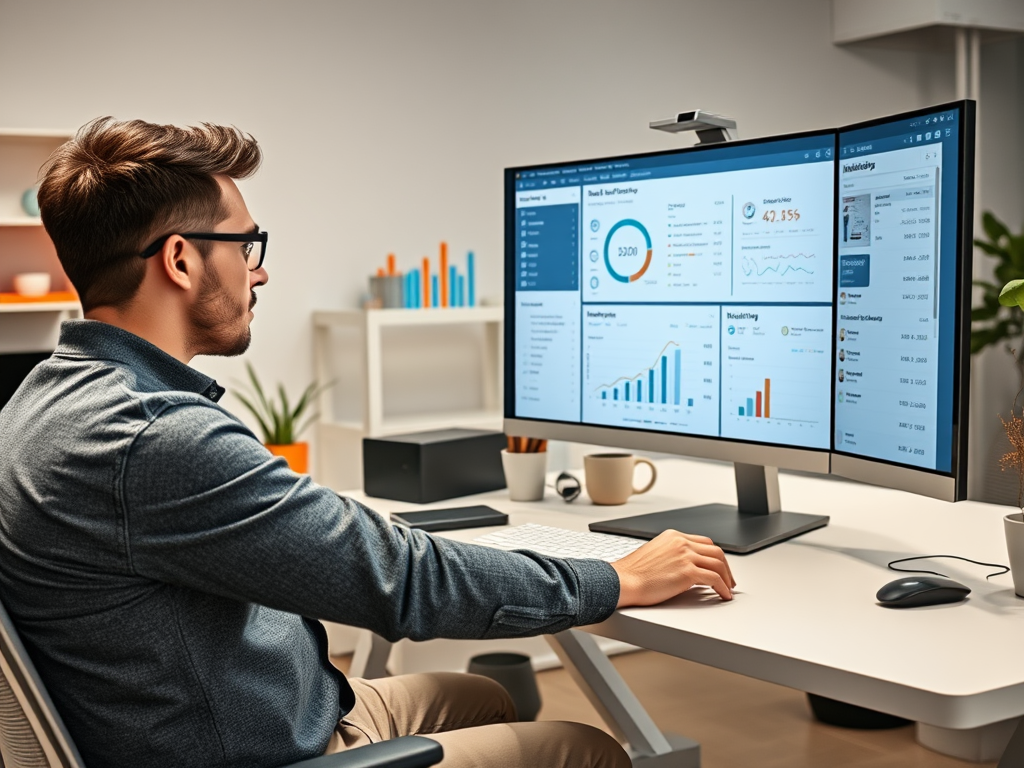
[(653, 366), (776, 374)]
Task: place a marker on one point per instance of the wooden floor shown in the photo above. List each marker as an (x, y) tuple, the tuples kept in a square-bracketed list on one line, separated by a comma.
[(739, 721)]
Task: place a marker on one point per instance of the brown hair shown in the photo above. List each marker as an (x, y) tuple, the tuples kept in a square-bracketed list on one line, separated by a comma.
[(118, 186)]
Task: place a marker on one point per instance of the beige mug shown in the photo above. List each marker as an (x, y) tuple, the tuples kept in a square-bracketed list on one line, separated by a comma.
[(609, 477)]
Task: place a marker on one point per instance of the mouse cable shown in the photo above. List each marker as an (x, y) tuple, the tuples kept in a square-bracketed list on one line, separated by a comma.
[(1006, 568)]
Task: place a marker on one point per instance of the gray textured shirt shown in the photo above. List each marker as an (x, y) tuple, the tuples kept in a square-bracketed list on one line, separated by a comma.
[(159, 563)]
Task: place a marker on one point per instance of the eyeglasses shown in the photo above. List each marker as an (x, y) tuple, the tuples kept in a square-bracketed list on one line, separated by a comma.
[(254, 245)]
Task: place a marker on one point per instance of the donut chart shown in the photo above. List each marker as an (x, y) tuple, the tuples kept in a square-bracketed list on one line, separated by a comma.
[(607, 245)]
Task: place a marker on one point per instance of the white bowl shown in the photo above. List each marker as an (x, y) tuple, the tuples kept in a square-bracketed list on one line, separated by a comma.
[(32, 283)]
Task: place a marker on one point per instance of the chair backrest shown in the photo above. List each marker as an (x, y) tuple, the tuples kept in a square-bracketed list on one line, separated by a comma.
[(32, 735)]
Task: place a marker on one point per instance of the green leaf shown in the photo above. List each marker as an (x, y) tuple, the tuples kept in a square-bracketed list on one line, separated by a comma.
[(1012, 294), (991, 250), (984, 313), (994, 228), (252, 409)]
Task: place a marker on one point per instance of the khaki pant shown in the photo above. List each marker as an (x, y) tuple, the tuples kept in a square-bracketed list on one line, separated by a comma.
[(473, 718)]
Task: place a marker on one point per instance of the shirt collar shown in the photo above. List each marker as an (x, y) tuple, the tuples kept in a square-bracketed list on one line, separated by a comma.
[(92, 339)]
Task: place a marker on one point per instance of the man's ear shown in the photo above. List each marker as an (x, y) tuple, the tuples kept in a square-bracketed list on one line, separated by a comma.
[(179, 261)]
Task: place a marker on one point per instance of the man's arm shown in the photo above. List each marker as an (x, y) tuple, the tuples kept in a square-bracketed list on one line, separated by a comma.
[(206, 507)]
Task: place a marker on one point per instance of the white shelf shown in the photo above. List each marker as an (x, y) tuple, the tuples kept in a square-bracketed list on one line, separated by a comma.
[(24, 221), (35, 133), (406, 317), (40, 306), (339, 454), (925, 21)]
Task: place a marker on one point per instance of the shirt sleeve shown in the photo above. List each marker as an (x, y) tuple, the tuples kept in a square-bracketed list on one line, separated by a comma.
[(207, 507)]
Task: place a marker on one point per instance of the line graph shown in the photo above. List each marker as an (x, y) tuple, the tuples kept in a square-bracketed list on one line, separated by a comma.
[(779, 264)]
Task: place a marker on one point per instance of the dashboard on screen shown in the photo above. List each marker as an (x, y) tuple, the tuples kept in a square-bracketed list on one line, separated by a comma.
[(897, 295), (688, 292)]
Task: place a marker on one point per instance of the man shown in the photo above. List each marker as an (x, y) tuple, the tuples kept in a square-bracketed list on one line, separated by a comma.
[(166, 572)]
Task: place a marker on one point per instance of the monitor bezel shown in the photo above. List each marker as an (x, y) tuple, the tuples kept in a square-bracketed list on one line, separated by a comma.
[(703, 446), (951, 485)]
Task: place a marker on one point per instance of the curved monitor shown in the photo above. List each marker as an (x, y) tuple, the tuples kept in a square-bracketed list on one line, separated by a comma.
[(799, 301), (677, 302), (903, 247)]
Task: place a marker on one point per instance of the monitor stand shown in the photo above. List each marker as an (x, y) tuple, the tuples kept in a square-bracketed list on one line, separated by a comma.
[(756, 522)]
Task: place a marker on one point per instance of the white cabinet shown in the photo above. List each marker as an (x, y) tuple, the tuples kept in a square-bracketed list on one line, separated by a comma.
[(25, 246), (339, 441)]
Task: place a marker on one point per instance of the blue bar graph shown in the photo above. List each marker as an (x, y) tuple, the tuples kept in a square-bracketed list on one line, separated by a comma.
[(678, 370), (604, 396), (434, 291), (664, 380), (452, 285), (627, 392), (616, 393), (741, 410), (462, 290), (471, 281), (689, 402), (750, 406), (640, 391), (650, 385)]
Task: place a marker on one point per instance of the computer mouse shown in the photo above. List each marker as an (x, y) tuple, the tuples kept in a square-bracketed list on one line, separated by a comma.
[(914, 591)]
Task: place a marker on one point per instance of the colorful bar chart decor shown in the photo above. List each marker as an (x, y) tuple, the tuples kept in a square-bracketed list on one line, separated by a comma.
[(444, 274), (757, 405), (414, 289), (750, 406), (767, 398)]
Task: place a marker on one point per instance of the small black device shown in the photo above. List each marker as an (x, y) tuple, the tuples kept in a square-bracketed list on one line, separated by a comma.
[(915, 591), (450, 519), (423, 467)]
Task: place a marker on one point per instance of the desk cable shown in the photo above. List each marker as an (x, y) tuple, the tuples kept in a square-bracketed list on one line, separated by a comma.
[(1006, 568)]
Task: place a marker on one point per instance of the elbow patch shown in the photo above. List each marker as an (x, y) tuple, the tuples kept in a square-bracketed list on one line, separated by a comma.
[(524, 621)]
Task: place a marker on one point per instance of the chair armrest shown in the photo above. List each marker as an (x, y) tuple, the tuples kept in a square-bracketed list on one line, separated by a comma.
[(404, 752)]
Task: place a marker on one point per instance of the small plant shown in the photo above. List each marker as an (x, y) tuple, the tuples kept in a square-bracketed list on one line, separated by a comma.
[(278, 419), (998, 319), (1014, 427)]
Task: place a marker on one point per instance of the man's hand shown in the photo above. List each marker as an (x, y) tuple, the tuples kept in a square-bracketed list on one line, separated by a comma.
[(669, 565)]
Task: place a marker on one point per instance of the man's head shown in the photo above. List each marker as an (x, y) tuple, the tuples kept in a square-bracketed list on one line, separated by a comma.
[(120, 189)]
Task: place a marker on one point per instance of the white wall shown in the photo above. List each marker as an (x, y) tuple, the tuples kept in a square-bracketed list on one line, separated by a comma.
[(386, 124)]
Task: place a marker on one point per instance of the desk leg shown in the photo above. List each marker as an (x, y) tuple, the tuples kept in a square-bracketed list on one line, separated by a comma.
[(618, 705), (1013, 755), (370, 658)]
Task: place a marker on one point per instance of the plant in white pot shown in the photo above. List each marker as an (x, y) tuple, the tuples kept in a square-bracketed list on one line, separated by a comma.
[(1012, 295)]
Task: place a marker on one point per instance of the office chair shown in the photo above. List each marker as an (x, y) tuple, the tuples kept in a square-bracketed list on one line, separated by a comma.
[(32, 734)]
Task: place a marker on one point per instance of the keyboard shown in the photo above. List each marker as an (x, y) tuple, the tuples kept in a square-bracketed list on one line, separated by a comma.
[(559, 542)]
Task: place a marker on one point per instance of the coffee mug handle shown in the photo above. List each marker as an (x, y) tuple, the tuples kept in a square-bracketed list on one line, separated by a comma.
[(654, 474)]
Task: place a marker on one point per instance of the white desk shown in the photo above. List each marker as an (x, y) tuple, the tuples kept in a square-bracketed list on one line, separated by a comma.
[(805, 614)]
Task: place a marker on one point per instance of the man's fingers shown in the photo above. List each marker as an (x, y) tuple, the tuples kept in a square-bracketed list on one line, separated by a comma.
[(713, 551), (715, 581), (715, 566)]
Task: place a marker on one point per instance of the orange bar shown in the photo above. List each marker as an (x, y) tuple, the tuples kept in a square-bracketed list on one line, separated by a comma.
[(767, 398), (444, 275), (380, 271), (426, 282), (391, 265), (757, 405)]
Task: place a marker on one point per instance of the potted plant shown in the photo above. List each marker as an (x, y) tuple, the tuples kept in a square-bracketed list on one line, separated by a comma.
[(998, 320), (1012, 295), (279, 420)]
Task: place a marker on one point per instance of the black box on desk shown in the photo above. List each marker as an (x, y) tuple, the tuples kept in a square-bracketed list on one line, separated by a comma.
[(430, 466)]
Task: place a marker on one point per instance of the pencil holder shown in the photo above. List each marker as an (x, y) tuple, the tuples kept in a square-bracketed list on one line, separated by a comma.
[(524, 474)]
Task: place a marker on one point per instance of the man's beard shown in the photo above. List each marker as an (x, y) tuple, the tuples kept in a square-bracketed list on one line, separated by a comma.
[(218, 323)]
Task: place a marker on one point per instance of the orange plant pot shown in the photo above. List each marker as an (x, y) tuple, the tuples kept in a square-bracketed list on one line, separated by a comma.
[(296, 454)]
